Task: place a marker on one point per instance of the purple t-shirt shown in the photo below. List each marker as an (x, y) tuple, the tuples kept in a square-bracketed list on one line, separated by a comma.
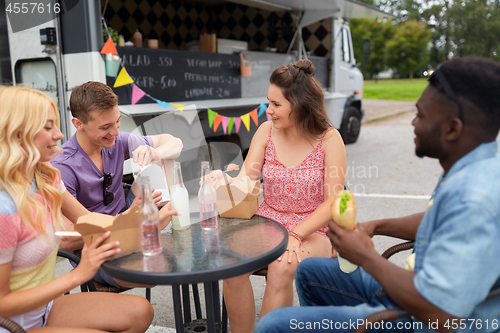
[(85, 181)]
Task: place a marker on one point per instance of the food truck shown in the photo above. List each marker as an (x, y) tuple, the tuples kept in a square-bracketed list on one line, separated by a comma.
[(214, 101)]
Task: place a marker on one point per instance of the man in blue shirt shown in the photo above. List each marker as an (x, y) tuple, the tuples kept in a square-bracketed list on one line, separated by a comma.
[(457, 247)]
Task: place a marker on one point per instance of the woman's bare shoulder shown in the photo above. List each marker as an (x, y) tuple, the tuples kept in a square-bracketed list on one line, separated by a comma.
[(262, 132), (332, 138)]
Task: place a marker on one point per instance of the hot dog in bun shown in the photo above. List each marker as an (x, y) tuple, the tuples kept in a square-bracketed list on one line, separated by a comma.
[(344, 210)]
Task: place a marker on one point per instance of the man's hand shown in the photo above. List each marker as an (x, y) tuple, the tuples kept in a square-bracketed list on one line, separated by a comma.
[(355, 246), (145, 155)]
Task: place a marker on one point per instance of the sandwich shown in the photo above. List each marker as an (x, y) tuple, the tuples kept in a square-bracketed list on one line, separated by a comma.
[(344, 210)]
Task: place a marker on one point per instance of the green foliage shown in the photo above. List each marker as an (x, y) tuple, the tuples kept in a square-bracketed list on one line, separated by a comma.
[(456, 27), (113, 32), (398, 90), (379, 33), (475, 28), (407, 50)]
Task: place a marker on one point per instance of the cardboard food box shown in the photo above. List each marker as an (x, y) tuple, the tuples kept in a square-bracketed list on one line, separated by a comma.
[(240, 199), (124, 229), (208, 43)]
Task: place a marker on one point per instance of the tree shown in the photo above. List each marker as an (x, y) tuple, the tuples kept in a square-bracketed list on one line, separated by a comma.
[(379, 33), (475, 28), (407, 50)]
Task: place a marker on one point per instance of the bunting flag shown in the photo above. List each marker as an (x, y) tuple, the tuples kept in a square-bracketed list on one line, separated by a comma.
[(237, 123), (211, 117), (179, 106), (123, 78), (162, 103), (268, 116), (262, 109), (246, 120), (254, 116), (230, 125), (189, 113), (109, 47), (225, 122), (137, 94), (217, 121)]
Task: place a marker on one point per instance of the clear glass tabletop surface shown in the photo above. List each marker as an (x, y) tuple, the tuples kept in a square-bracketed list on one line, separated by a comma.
[(194, 255)]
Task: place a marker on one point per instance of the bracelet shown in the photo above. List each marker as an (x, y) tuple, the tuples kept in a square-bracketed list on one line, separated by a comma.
[(296, 235)]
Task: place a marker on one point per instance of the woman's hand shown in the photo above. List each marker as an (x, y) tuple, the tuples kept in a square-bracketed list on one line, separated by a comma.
[(166, 214), (219, 177), (95, 255), (292, 249), (156, 199)]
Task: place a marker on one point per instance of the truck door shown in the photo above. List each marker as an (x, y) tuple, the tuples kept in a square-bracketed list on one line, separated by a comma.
[(349, 76), (56, 55)]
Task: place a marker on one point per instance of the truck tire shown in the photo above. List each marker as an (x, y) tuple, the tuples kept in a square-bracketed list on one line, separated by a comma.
[(350, 128)]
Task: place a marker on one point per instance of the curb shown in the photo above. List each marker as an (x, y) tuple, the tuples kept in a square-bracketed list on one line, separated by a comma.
[(387, 115)]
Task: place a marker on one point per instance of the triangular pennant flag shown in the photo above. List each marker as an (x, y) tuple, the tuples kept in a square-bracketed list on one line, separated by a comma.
[(230, 125), (225, 121), (268, 116), (237, 123), (211, 117), (137, 94), (162, 103), (262, 109), (109, 47), (217, 121), (246, 120), (188, 115), (254, 116), (179, 106), (123, 78)]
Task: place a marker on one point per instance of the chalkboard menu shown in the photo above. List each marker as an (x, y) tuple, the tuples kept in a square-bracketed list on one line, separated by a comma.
[(171, 76)]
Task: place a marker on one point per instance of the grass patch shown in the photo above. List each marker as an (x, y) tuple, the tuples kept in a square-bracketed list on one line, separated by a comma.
[(396, 90)]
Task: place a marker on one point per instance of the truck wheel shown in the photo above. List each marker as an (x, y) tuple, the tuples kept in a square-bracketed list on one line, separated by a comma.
[(349, 130)]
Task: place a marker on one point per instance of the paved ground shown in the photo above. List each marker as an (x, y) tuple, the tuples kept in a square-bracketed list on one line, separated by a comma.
[(378, 108), (374, 142)]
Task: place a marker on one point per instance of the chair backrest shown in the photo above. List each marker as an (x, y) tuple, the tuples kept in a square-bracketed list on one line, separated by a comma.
[(87, 286), (11, 325)]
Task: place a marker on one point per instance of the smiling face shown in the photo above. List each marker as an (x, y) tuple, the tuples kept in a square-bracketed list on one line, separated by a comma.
[(102, 128), (279, 108), (46, 139), (428, 125)]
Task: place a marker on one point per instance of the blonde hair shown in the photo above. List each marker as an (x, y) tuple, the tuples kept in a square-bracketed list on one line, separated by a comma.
[(23, 113)]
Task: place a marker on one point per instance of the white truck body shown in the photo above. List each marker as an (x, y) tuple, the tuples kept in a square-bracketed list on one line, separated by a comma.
[(76, 59)]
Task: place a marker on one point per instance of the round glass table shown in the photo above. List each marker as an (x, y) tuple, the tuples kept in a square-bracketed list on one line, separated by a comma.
[(194, 256)]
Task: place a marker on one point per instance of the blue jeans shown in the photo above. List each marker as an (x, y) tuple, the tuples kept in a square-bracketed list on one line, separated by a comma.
[(331, 301)]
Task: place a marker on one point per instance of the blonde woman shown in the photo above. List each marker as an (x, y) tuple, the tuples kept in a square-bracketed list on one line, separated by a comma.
[(302, 160), (31, 196)]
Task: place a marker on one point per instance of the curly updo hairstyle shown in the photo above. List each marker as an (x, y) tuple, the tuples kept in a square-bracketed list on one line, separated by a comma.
[(305, 94)]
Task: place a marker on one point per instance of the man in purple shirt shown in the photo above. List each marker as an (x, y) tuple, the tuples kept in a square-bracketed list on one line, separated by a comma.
[(91, 162)]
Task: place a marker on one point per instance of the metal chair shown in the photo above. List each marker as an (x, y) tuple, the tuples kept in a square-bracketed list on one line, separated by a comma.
[(397, 313), (11, 326), (94, 285)]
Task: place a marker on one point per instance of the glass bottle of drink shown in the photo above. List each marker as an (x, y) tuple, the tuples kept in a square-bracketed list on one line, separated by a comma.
[(179, 199), (207, 197), (149, 221)]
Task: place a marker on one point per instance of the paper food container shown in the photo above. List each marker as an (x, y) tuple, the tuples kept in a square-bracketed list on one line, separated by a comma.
[(239, 200), (124, 229)]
